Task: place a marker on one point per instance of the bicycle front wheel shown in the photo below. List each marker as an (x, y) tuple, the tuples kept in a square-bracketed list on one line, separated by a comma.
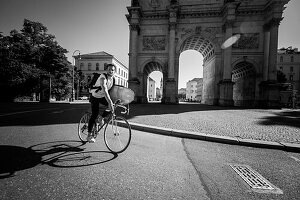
[(117, 134)]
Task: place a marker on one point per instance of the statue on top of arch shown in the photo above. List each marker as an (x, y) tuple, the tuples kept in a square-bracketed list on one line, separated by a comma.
[(135, 3)]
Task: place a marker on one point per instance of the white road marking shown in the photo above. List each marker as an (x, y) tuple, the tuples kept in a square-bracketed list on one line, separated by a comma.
[(294, 158)]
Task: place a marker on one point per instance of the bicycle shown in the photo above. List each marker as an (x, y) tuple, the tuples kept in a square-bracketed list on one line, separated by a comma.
[(117, 131)]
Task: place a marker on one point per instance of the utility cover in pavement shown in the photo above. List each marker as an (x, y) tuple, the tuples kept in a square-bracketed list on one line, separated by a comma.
[(254, 179)]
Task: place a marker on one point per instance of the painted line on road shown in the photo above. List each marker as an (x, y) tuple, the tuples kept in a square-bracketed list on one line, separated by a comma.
[(21, 112), (294, 158)]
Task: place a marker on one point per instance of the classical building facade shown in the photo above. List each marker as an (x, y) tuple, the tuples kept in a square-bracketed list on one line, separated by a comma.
[(151, 89), (199, 89), (288, 62), (192, 88), (242, 73), (96, 63)]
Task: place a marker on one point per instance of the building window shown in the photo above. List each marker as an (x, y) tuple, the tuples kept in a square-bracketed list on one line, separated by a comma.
[(89, 66), (291, 77), (281, 68), (81, 66), (292, 58), (291, 69), (281, 59), (97, 66), (119, 70)]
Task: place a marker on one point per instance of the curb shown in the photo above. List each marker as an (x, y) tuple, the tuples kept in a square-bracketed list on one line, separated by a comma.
[(216, 138)]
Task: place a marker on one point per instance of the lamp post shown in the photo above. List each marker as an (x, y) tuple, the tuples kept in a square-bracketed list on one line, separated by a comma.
[(73, 94)]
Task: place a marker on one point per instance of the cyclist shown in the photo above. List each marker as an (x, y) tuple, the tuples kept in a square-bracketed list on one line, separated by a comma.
[(101, 102)]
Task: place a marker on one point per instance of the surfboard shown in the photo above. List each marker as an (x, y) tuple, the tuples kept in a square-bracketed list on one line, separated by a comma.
[(122, 93)]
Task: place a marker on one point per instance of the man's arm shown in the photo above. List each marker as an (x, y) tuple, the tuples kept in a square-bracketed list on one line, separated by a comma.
[(103, 84)]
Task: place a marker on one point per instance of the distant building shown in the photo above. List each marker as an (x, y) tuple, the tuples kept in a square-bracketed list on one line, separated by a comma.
[(159, 90), (192, 87), (151, 89), (199, 88), (288, 62), (182, 94), (96, 63), (158, 94)]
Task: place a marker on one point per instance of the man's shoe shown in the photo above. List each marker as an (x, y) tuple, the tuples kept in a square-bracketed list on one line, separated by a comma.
[(90, 138)]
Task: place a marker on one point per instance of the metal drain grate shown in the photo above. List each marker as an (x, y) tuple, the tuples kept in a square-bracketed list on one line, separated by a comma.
[(253, 178)]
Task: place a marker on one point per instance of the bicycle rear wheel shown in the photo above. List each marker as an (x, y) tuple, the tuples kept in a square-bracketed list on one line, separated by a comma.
[(83, 127), (117, 134)]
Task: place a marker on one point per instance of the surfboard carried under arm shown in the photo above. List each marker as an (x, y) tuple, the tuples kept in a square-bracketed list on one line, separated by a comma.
[(125, 95)]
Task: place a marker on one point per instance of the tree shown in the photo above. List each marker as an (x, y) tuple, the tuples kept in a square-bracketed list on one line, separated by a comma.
[(28, 56), (281, 78)]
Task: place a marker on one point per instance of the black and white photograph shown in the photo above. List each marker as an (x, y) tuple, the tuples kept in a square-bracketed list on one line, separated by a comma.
[(150, 99)]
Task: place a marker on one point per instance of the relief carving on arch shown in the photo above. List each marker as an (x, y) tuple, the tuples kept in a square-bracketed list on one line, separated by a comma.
[(154, 43), (209, 31), (185, 31), (154, 3), (247, 41)]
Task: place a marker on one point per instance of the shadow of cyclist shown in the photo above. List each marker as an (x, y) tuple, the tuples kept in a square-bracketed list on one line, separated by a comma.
[(64, 154)]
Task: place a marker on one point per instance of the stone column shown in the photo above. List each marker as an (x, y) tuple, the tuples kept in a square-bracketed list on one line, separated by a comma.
[(134, 29), (133, 81), (226, 85), (170, 92), (172, 27), (134, 18), (269, 89), (266, 53), (272, 72), (227, 52)]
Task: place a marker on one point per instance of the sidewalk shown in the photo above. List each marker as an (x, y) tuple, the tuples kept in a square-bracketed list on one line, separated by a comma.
[(271, 128)]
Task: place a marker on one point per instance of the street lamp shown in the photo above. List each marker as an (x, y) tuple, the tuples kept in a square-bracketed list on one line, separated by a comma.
[(73, 94)]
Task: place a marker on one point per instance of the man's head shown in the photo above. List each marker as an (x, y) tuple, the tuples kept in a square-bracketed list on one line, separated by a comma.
[(111, 69)]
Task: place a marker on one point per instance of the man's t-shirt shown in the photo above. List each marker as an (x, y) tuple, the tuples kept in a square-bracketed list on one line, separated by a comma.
[(100, 93)]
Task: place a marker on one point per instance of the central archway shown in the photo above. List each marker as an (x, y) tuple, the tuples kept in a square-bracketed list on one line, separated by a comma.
[(204, 45), (244, 78)]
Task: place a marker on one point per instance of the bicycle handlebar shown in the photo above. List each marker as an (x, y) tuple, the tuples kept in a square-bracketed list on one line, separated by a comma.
[(117, 104)]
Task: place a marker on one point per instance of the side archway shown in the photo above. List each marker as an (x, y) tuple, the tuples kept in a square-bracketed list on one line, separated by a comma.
[(149, 67)]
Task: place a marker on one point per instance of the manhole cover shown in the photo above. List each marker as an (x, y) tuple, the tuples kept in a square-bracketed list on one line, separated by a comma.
[(252, 178)]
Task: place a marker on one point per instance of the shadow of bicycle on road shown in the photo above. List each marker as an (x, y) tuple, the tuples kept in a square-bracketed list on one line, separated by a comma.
[(63, 154)]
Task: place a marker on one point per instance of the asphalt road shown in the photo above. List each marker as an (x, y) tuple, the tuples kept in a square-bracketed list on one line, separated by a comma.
[(42, 158)]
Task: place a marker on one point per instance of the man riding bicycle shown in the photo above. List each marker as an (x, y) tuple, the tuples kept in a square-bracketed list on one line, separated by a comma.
[(101, 102)]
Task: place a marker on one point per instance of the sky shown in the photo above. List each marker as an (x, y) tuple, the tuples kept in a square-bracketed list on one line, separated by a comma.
[(100, 25)]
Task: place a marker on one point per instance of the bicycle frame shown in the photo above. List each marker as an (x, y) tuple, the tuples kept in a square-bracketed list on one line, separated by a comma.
[(112, 115)]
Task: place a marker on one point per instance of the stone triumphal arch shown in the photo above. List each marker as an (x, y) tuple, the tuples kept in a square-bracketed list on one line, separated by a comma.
[(241, 74)]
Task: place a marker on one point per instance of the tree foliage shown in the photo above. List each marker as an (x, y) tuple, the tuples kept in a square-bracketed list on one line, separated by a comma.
[(281, 78), (28, 55)]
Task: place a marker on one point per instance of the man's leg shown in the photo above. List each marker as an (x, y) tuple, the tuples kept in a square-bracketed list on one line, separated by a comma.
[(92, 120), (102, 112)]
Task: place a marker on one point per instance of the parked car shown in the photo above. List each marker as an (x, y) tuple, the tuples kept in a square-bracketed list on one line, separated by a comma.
[(83, 98)]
